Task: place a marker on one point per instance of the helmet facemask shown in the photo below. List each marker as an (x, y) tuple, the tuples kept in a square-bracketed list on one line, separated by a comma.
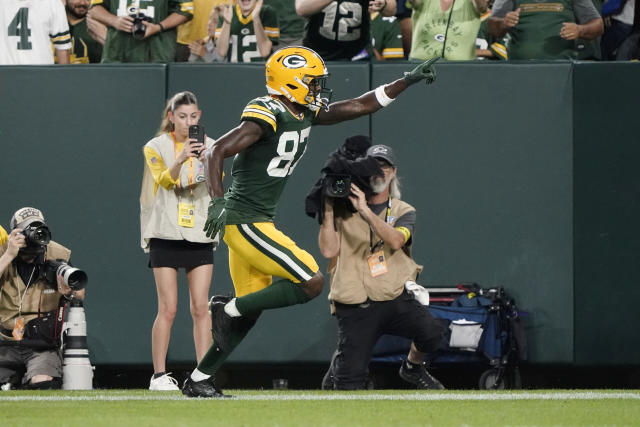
[(318, 95)]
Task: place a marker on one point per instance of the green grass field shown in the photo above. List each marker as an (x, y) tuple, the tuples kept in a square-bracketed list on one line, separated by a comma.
[(320, 408)]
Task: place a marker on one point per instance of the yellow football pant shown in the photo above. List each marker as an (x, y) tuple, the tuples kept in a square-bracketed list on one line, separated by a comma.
[(258, 251)]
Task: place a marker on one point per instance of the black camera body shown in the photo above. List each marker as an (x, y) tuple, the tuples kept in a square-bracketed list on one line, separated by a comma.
[(139, 22), (38, 235), (337, 185), (73, 277), (197, 132)]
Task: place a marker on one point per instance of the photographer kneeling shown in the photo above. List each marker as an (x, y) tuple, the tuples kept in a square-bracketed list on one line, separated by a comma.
[(369, 266), (34, 288)]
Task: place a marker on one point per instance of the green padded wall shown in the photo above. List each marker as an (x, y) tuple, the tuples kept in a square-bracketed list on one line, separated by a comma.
[(72, 142), (486, 157), (607, 210), (521, 177)]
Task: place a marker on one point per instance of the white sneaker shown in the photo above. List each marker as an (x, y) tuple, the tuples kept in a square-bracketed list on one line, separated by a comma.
[(164, 383)]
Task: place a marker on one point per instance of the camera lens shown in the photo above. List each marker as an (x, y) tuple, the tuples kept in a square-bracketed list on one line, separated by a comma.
[(339, 187), (39, 235)]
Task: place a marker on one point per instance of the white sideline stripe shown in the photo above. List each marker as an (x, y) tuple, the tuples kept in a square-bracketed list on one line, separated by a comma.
[(427, 396), (284, 257)]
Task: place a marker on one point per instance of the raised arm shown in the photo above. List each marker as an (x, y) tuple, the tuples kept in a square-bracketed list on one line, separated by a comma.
[(374, 100), (264, 43)]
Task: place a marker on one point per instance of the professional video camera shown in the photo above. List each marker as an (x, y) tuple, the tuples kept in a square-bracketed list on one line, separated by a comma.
[(73, 277), (348, 164), (139, 22), (337, 185)]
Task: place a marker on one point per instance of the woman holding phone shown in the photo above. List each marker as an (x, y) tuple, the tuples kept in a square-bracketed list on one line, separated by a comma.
[(173, 210)]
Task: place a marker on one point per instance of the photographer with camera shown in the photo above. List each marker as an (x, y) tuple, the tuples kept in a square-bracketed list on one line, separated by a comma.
[(141, 35), (173, 204), (370, 266), (35, 284)]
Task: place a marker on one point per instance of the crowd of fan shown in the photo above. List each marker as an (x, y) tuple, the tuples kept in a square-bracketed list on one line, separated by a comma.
[(231, 31)]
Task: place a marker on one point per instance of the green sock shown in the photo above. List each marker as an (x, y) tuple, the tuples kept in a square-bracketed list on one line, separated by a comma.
[(214, 358), (281, 293)]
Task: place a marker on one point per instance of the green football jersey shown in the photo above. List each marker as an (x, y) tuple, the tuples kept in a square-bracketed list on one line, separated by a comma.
[(386, 37), (243, 46), (261, 171), (122, 47), (84, 48)]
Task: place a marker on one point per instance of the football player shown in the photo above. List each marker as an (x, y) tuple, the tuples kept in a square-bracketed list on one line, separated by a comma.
[(267, 145)]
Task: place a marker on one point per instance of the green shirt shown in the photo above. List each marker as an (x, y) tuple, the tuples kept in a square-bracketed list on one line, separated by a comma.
[(261, 171), (453, 31), (122, 47), (243, 46), (386, 37), (84, 48), (537, 34), (291, 24)]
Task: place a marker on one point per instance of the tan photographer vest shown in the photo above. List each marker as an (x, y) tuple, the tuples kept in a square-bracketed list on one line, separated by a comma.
[(39, 298), (351, 280), (159, 206)]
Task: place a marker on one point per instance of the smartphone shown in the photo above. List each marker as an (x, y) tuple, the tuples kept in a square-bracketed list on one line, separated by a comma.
[(197, 132)]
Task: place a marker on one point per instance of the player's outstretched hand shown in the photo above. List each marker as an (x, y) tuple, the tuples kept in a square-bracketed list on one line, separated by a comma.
[(216, 218), (425, 71)]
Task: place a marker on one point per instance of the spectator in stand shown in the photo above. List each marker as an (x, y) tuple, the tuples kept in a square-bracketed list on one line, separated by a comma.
[(30, 30), (555, 30), (403, 13), (247, 31), (386, 40), (204, 50), (195, 29), (618, 23), (340, 29), (291, 25), (446, 28), (87, 35), (386, 37), (488, 46), (155, 37)]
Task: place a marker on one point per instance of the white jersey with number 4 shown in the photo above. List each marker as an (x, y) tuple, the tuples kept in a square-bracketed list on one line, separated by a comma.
[(29, 29)]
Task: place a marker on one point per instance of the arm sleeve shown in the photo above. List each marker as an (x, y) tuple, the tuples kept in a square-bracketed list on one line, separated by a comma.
[(501, 7), (269, 19), (159, 171), (405, 224), (3, 236), (182, 7), (585, 11), (60, 36), (104, 3), (257, 112)]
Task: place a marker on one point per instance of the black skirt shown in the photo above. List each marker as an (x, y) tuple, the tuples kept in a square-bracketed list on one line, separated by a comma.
[(179, 254)]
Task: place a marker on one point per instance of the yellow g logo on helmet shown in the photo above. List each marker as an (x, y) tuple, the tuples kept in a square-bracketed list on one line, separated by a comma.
[(299, 74)]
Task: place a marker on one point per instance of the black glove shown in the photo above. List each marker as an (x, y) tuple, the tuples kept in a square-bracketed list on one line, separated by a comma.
[(425, 71), (216, 217)]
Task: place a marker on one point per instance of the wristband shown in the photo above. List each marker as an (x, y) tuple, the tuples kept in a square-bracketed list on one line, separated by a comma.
[(162, 30), (382, 97)]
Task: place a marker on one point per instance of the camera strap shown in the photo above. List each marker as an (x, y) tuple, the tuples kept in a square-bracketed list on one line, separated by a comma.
[(18, 328), (373, 247)]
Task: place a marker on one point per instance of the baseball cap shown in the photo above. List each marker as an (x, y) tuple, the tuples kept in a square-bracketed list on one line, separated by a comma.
[(383, 152), (25, 216)]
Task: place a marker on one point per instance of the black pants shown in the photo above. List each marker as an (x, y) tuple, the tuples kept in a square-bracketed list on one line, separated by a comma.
[(360, 326)]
